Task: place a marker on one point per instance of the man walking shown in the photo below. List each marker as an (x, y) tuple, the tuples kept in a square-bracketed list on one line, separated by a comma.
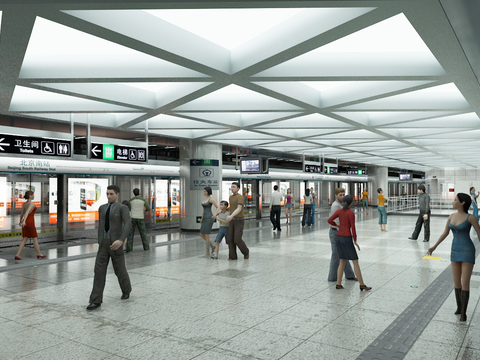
[(138, 206), (235, 227), (114, 225), (335, 260), (424, 216), (275, 209)]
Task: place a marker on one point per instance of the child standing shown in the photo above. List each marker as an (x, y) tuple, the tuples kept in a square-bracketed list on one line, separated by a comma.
[(223, 229)]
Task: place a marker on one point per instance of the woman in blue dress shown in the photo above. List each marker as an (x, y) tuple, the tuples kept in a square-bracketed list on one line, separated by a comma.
[(463, 250), (207, 219)]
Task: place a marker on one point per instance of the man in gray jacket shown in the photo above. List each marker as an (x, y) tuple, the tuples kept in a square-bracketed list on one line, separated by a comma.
[(138, 205), (424, 216), (113, 228)]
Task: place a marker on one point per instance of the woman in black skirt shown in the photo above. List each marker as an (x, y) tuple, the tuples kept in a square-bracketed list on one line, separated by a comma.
[(344, 242)]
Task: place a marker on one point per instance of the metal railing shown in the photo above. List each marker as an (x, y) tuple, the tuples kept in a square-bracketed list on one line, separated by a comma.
[(410, 202)]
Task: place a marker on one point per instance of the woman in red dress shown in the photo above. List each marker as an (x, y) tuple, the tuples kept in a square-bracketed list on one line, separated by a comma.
[(345, 240), (27, 223)]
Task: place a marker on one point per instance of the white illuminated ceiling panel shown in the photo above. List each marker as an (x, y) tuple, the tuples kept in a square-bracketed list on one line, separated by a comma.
[(164, 121), (468, 120), (57, 51), (243, 135), (185, 133), (149, 95), (439, 97), (240, 119), (310, 121), (236, 98), (104, 119), (27, 99), (380, 118), (390, 47)]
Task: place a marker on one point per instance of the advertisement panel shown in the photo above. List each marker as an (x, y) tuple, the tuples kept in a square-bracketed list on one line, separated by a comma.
[(22, 187), (161, 198), (3, 202), (283, 190), (52, 200), (175, 196), (85, 197), (226, 190)]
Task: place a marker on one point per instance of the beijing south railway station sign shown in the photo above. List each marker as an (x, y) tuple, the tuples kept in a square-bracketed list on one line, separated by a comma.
[(28, 145)]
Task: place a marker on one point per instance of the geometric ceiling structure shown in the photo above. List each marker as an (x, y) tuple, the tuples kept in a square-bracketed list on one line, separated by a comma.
[(369, 82)]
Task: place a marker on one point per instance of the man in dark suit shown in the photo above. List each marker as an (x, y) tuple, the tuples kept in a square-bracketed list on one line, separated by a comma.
[(113, 228)]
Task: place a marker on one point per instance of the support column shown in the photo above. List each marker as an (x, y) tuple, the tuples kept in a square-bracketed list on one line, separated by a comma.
[(191, 200), (377, 178), (62, 211)]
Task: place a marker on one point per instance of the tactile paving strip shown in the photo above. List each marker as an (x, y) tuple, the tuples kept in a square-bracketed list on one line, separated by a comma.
[(398, 338)]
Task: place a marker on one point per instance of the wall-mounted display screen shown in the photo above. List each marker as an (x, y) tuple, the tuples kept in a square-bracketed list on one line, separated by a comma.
[(250, 166), (405, 177)]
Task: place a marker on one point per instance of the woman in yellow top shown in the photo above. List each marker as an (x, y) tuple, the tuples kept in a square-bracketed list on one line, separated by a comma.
[(365, 199), (382, 213)]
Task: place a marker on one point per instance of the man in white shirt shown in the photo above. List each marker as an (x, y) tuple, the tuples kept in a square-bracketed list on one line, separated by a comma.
[(335, 260), (275, 209)]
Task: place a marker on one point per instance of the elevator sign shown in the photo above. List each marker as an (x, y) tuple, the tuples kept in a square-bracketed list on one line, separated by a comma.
[(27, 145), (118, 153)]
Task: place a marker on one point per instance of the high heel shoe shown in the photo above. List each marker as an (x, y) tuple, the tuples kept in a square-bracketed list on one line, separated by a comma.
[(339, 287), (18, 257), (365, 287), (41, 256)]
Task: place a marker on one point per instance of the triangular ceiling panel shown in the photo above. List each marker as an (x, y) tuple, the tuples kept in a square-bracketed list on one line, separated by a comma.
[(27, 99), (236, 98), (315, 94), (378, 118), (57, 51), (409, 133), (101, 119), (149, 95), (163, 121), (391, 47), (239, 119), (354, 134), (293, 143), (469, 120), (300, 133), (308, 121), (439, 97), (241, 143), (242, 135), (185, 133)]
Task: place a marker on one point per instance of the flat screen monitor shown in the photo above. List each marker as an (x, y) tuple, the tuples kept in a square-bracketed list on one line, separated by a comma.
[(250, 166), (405, 177)]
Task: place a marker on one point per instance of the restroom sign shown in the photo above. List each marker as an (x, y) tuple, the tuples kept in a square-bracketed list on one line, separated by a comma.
[(204, 172)]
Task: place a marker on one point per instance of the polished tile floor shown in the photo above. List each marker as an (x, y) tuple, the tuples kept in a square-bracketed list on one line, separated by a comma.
[(276, 305)]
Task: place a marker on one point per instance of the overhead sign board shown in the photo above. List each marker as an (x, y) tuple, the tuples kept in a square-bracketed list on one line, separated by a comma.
[(28, 145), (118, 153), (331, 170), (204, 172), (313, 168), (357, 172)]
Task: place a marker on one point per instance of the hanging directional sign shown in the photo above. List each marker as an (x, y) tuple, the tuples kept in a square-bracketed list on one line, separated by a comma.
[(118, 152), (28, 145), (312, 168)]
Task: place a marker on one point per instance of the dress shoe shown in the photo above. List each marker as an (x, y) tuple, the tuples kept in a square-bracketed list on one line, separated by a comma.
[(279, 229), (18, 257), (410, 238), (93, 306), (425, 240), (274, 228), (353, 278), (41, 256), (246, 256), (125, 296)]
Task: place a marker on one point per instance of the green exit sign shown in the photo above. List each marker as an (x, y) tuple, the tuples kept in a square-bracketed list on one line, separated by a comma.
[(108, 152)]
